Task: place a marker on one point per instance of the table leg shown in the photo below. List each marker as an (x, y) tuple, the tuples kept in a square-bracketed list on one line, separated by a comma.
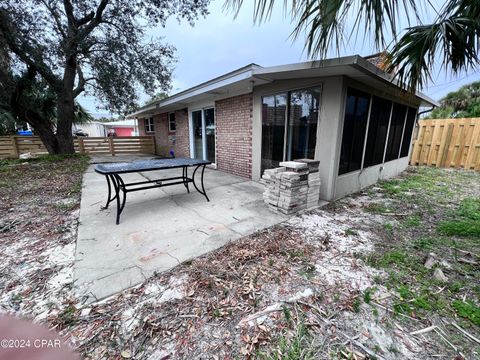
[(185, 177), (109, 198), (119, 185), (203, 192)]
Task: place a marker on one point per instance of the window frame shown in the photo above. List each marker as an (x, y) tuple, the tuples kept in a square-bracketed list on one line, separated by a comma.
[(149, 125), (367, 95), (287, 92), (372, 93), (170, 122), (408, 138)]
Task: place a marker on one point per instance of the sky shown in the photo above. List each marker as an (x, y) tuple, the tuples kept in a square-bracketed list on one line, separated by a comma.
[(221, 43)]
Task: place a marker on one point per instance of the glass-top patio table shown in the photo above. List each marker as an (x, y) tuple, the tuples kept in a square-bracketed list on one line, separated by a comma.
[(112, 172)]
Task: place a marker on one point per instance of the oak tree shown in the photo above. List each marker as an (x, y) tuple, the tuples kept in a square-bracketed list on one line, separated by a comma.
[(73, 46)]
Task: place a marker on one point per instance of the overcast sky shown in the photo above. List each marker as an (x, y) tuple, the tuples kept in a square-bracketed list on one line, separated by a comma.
[(219, 44)]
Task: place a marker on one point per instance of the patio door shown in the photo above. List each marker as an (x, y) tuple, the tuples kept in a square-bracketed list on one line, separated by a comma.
[(203, 134)]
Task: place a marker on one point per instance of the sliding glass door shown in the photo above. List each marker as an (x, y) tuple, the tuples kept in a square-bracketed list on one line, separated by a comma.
[(289, 126), (197, 129), (209, 121), (203, 137)]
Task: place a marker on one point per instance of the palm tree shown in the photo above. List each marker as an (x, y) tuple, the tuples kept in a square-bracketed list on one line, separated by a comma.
[(452, 39)]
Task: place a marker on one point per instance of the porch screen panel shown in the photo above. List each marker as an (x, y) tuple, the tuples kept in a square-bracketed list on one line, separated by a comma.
[(377, 131), (302, 123), (274, 111), (354, 125), (396, 128), (407, 134)]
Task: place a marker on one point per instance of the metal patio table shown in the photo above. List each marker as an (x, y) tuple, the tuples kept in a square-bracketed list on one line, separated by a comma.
[(112, 172)]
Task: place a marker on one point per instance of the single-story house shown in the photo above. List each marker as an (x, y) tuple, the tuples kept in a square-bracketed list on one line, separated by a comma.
[(345, 112), (122, 127), (101, 129)]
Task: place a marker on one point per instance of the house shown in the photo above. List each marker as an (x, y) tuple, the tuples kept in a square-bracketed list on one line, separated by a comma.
[(122, 127), (101, 129), (345, 112)]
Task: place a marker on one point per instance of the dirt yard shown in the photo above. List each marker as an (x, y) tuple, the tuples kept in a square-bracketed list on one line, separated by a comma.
[(392, 272)]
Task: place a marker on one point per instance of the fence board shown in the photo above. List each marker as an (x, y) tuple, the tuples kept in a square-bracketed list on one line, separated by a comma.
[(449, 143), (13, 146)]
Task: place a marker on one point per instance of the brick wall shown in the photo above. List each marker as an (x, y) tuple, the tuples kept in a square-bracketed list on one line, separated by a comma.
[(182, 137), (233, 118), (162, 143)]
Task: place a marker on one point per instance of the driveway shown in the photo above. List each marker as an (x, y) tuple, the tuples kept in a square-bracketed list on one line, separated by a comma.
[(159, 228)]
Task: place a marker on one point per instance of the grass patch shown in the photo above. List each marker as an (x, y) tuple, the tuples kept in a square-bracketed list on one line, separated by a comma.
[(351, 231), (49, 158), (412, 221), (466, 220), (66, 206), (367, 296), (308, 271), (467, 310), (294, 347), (377, 208)]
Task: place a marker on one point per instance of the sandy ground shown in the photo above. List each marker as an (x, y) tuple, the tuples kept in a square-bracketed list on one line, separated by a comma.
[(301, 289)]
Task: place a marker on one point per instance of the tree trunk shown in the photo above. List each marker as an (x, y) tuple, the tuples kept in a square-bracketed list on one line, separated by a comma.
[(66, 109), (42, 129)]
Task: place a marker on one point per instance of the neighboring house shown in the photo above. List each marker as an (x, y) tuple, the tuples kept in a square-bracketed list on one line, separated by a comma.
[(345, 112), (122, 127), (101, 129), (92, 128)]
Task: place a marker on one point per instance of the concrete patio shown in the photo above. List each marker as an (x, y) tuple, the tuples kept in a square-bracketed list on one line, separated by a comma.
[(159, 228)]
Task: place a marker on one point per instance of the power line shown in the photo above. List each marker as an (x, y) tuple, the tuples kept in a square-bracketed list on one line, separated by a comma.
[(448, 83)]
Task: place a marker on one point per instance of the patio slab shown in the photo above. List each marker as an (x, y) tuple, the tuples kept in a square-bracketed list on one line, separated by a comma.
[(159, 228)]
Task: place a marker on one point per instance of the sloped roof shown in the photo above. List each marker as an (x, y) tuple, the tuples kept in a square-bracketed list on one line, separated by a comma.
[(254, 75)]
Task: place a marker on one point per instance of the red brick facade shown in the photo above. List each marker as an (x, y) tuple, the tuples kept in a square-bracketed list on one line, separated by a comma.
[(182, 135), (233, 119), (233, 136), (164, 138)]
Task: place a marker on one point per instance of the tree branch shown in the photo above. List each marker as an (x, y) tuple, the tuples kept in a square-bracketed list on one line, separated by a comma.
[(25, 53), (69, 12), (97, 19), (81, 82), (56, 17)]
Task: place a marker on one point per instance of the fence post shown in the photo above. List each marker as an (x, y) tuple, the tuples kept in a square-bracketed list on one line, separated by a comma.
[(81, 146), (111, 145), (154, 145), (16, 153)]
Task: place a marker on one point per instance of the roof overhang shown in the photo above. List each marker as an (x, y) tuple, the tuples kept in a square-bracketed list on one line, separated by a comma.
[(244, 79)]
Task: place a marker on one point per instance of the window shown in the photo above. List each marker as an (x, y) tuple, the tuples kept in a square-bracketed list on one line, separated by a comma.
[(149, 125), (395, 133), (274, 115), (354, 125), (172, 126), (289, 126), (302, 124), (377, 131), (407, 134)]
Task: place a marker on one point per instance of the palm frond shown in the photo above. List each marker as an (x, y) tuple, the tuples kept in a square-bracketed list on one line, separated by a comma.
[(453, 37)]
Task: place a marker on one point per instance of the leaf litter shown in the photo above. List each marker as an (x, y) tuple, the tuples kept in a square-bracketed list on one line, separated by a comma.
[(299, 282)]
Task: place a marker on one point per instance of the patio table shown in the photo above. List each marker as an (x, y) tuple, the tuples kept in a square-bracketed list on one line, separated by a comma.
[(113, 172)]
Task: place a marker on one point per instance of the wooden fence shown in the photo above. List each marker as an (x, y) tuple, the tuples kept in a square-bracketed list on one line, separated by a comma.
[(13, 146), (447, 143)]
